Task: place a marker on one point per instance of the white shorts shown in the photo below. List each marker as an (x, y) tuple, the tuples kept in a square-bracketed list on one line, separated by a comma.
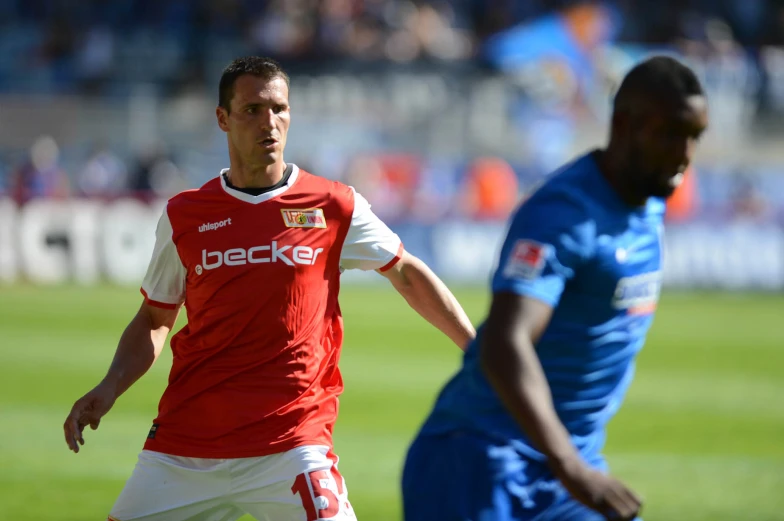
[(302, 484)]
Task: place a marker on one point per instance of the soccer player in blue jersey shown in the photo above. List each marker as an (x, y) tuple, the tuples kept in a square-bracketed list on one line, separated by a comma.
[(517, 433)]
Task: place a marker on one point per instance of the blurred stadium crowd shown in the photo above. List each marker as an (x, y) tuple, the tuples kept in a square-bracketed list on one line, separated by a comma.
[(443, 113), (111, 51), (64, 46)]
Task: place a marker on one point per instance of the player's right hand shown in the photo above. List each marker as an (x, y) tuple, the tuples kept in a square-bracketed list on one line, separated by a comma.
[(601, 493), (88, 410)]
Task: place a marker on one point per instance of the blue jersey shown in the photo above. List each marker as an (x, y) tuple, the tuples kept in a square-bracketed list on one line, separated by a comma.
[(577, 246)]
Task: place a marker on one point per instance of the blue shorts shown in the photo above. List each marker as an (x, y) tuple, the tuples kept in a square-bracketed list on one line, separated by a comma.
[(463, 477)]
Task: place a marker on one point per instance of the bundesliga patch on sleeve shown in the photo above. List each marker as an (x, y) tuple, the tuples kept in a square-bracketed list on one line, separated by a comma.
[(311, 218), (527, 259)]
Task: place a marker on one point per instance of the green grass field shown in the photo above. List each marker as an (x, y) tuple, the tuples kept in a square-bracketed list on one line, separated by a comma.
[(701, 435)]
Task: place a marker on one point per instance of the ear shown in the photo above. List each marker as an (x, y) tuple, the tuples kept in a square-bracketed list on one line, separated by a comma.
[(223, 118), (619, 121), (622, 124)]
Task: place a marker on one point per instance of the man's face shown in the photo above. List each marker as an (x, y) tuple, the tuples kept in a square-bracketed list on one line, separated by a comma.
[(663, 144), (258, 123)]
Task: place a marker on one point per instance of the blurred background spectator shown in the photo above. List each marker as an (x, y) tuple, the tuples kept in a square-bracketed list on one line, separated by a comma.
[(40, 175)]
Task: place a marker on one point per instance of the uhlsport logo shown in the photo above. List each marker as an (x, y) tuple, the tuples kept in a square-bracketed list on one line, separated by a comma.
[(638, 294), (214, 226), (263, 254), (312, 218)]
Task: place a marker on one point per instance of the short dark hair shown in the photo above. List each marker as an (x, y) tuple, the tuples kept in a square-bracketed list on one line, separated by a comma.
[(662, 78), (255, 66)]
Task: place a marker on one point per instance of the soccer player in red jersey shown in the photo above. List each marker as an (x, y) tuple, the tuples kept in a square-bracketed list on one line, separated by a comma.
[(255, 255)]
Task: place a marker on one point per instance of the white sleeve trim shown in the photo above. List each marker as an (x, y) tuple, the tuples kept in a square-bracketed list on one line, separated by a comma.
[(165, 278), (369, 244)]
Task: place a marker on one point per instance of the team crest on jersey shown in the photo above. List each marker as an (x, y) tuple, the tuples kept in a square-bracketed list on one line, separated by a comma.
[(527, 259), (311, 218)]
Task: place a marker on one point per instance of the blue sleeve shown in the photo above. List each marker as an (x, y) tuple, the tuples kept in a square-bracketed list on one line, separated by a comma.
[(549, 237)]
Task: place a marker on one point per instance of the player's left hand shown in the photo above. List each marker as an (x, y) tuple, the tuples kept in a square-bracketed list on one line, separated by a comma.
[(599, 491), (88, 410)]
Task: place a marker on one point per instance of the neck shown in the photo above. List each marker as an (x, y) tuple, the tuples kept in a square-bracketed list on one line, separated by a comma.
[(261, 176), (615, 169)]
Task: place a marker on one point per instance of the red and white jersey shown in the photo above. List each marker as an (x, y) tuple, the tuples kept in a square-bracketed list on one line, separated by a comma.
[(255, 370)]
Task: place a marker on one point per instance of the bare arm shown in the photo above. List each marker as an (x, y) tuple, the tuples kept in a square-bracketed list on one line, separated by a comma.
[(512, 366), (510, 362), (140, 345), (430, 297)]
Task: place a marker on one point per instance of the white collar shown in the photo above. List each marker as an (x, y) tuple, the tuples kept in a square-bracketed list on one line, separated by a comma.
[(266, 196)]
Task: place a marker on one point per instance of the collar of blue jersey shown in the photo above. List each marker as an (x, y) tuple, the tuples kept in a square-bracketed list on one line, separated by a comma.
[(653, 204)]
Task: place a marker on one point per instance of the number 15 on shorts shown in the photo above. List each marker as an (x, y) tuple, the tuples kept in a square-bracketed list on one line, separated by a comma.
[(323, 494)]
